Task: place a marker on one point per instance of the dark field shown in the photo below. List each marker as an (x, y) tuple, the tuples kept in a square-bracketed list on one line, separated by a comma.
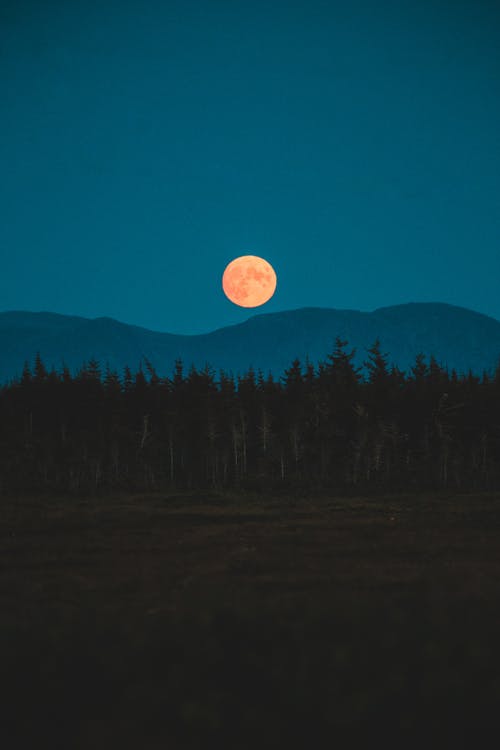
[(210, 620)]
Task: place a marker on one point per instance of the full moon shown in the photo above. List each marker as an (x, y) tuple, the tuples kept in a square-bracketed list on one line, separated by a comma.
[(249, 281)]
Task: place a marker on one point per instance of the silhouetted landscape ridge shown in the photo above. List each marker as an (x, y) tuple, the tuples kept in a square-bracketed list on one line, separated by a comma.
[(459, 338)]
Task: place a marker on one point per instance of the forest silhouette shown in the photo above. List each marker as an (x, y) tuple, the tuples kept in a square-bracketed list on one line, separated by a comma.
[(204, 560), (330, 427)]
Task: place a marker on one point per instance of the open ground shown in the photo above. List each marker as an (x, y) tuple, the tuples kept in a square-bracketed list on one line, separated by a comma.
[(216, 619)]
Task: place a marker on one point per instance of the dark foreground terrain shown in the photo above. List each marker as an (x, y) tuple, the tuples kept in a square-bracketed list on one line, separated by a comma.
[(216, 621)]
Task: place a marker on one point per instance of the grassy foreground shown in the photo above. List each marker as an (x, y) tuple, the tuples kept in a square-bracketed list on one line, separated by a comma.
[(242, 622)]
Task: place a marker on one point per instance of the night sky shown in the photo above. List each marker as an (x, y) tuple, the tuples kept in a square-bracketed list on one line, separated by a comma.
[(143, 145)]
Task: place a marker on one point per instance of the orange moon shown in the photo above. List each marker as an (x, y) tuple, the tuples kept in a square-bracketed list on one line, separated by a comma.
[(249, 281)]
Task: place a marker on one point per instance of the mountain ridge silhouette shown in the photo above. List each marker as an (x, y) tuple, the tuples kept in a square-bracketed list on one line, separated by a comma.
[(457, 337)]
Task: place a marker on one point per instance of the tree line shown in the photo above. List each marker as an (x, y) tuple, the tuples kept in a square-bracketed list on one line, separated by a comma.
[(332, 426)]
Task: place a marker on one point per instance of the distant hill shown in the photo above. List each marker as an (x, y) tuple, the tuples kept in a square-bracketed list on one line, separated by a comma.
[(459, 338)]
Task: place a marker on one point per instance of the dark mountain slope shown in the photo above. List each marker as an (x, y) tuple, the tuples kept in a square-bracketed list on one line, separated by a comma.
[(459, 338)]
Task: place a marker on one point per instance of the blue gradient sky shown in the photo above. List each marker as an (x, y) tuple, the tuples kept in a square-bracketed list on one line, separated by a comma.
[(143, 145)]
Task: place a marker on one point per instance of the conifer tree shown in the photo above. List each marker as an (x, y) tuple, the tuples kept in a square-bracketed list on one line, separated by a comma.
[(40, 371)]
